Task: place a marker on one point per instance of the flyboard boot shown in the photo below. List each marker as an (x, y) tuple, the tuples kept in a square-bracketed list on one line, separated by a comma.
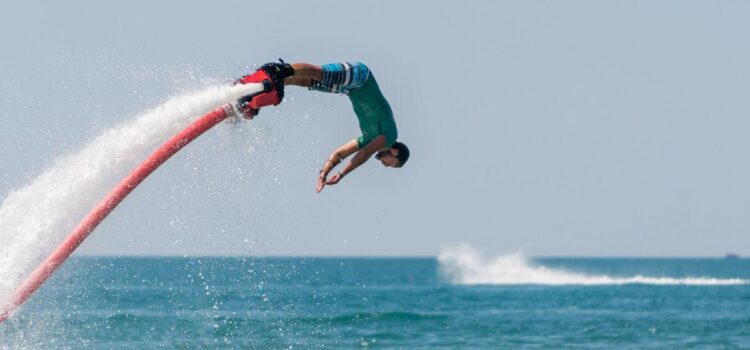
[(272, 76)]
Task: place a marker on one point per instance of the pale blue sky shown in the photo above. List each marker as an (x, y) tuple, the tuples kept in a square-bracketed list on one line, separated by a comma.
[(545, 127)]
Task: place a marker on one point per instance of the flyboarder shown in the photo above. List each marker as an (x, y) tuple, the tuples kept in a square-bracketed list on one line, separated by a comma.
[(376, 120)]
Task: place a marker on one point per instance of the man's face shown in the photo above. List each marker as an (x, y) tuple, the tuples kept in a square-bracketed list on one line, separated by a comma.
[(388, 158)]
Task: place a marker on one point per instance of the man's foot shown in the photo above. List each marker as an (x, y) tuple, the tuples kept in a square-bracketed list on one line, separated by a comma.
[(246, 111), (249, 107), (272, 76), (278, 71)]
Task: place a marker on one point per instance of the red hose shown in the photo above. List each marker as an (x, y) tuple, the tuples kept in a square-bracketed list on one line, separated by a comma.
[(89, 223)]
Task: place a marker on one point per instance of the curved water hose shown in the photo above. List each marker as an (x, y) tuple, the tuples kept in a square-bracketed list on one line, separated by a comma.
[(127, 185)]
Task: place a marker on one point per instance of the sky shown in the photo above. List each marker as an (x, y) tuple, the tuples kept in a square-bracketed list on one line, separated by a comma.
[(547, 128)]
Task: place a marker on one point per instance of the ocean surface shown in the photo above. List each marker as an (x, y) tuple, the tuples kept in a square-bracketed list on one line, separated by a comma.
[(450, 302)]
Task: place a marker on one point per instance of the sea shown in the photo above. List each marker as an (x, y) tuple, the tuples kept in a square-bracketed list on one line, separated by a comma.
[(452, 301)]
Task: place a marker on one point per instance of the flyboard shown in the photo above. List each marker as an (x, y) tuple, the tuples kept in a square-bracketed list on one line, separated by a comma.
[(113, 198)]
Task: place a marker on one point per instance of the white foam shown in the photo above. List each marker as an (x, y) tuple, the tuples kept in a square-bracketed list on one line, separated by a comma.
[(35, 218), (464, 265)]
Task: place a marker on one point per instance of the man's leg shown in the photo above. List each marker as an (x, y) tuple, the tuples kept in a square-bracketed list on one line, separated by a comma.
[(304, 74), (300, 74), (332, 77)]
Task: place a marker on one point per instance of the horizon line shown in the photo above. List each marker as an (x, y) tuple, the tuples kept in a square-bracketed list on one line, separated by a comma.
[(280, 256)]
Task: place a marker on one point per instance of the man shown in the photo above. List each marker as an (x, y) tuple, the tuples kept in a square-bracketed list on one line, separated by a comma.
[(376, 121)]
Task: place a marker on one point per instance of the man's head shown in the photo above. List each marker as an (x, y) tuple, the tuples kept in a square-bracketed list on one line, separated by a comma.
[(394, 157)]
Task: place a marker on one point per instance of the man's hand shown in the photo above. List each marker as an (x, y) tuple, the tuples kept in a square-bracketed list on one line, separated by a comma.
[(336, 157), (321, 182), (334, 179)]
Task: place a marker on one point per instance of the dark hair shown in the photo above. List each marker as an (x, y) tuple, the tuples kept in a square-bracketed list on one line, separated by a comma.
[(403, 152)]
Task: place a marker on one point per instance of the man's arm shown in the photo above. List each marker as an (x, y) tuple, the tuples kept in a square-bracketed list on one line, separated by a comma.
[(344, 151), (334, 159)]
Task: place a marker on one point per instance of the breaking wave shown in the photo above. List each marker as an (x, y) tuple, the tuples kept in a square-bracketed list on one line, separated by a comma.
[(464, 265)]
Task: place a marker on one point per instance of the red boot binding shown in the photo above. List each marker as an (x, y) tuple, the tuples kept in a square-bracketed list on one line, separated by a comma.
[(272, 76)]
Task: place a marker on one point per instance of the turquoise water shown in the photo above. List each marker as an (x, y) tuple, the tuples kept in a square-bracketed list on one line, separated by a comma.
[(350, 303)]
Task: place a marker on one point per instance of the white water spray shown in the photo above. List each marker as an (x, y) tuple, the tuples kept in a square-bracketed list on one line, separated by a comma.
[(464, 265), (35, 218)]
